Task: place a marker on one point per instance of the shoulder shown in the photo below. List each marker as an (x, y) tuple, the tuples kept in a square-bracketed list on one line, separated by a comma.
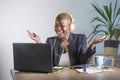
[(51, 39), (74, 35)]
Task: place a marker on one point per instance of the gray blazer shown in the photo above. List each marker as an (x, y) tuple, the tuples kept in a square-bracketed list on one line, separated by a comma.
[(78, 52)]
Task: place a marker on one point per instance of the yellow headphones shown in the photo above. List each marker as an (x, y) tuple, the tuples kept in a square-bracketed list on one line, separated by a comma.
[(72, 26)]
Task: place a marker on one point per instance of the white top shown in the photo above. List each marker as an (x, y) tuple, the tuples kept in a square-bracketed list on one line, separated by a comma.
[(64, 59)]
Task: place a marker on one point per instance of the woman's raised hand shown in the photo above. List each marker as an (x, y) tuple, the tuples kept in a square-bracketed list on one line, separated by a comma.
[(98, 40), (34, 36)]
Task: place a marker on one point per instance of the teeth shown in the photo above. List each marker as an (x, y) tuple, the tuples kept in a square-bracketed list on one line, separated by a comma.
[(59, 32)]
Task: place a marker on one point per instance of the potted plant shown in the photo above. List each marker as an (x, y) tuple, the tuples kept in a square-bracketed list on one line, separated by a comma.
[(107, 23)]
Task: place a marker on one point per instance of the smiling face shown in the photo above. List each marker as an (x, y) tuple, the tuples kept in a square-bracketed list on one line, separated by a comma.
[(62, 24)]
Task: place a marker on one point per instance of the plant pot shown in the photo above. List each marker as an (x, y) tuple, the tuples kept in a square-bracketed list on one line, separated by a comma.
[(111, 47)]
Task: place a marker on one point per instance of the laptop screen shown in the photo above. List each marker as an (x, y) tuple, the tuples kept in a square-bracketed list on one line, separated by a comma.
[(32, 57)]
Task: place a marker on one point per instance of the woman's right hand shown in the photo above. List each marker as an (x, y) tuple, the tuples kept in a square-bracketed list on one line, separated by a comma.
[(34, 36)]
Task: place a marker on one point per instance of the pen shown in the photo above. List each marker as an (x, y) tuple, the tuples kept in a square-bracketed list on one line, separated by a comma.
[(84, 68)]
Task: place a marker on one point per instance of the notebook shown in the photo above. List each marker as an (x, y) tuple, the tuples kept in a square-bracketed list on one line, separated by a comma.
[(32, 57)]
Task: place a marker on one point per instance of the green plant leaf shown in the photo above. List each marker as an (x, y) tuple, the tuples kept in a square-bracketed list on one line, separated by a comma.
[(115, 9), (100, 11), (98, 19), (107, 11)]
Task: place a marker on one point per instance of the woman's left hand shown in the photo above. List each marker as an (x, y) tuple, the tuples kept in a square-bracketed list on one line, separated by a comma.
[(98, 40)]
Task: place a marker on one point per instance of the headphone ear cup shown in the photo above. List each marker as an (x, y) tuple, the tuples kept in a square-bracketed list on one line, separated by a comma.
[(72, 27)]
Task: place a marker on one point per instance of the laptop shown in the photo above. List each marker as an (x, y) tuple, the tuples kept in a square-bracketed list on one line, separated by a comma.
[(32, 57)]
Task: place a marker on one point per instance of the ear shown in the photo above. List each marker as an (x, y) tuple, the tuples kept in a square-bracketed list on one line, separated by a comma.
[(72, 27)]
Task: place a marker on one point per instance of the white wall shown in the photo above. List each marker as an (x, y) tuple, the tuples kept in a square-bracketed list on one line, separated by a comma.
[(37, 15)]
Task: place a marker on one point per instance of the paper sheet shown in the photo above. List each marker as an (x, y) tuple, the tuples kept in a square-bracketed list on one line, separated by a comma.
[(90, 70)]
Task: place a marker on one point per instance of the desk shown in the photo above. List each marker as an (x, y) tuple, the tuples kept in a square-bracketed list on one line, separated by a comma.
[(67, 74)]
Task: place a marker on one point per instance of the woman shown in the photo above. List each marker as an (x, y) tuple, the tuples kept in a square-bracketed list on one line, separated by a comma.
[(68, 48)]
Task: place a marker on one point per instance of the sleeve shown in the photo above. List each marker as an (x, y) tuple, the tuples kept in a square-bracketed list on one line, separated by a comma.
[(84, 52), (51, 42), (82, 47)]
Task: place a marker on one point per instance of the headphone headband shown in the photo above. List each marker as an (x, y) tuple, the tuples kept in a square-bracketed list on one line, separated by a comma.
[(65, 14)]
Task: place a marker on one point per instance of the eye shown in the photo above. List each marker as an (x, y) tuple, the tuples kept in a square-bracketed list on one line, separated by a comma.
[(63, 26), (57, 25)]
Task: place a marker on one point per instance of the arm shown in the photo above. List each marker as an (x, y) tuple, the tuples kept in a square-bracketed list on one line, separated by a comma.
[(83, 52), (91, 50)]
